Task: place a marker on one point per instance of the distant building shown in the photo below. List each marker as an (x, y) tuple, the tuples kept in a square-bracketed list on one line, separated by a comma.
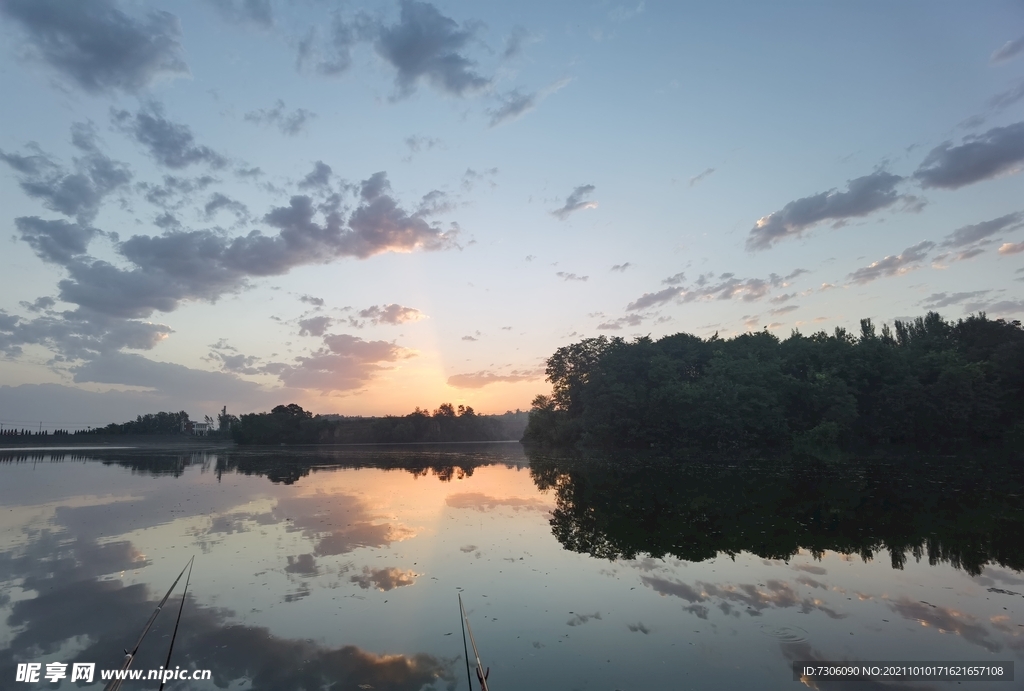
[(198, 429)]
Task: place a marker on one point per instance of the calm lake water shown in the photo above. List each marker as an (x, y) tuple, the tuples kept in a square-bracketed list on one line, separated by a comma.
[(340, 568)]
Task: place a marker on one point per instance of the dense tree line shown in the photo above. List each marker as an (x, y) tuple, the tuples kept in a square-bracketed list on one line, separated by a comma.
[(290, 424), (926, 383)]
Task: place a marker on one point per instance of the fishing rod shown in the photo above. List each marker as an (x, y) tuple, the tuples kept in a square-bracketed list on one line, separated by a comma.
[(481, 675), (129, 656), (170, 649)]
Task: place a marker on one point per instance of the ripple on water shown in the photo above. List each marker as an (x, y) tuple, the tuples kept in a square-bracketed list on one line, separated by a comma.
[(786, 634)]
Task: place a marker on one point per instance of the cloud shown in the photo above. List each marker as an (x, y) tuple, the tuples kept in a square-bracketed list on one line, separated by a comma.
[(1005, 99), (478, 380), (783, 310), (255, 12), (978, 231), (621, 268), (79, 334), (169, 143), (651, 299), (171, 381), (999, 150), (940, 300), (205, 264), (571, 277), (311, 300), (345, 364), (893, 265), (426, 46), (1008, 248), (288, 123), (863, 196), (97, 46), (514, 42), (219, 201), (1009, 50), (78, 192), (514, 104), (57, 242), (617, 324), (391, 314), (314, 326), (383, 579), (708, 287), (320, 176), (575, 202), (175, 192), (471, 177), (697, 178), (1002, 307)]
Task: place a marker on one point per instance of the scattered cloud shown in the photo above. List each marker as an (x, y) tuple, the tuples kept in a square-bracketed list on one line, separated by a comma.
[(478, 380), (514, 104), (514, 42), (346, 363), (576, 202), (1009, 50), (969, 234), (319, 177), (1008, 248), (220, 201), (893, 265), (639, 628), (315, 326), (98, 47), (617, 324), (206, 264), (571, 277), (998, 151), (621, 268), (76, 192), (311, 300), (426, 46), (418, 143), (471, 177), (698, 178), (393, 314), (940, 300), (290, 123), (709, 287), (1005, 99), (863, 196), (783, 310), (169, 143), (56, 242)]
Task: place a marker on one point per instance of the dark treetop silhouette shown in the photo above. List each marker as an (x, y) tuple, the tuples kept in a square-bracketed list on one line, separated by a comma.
[(924, 384)]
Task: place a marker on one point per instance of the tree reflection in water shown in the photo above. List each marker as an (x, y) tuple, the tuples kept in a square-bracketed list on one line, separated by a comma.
[(966, 512)]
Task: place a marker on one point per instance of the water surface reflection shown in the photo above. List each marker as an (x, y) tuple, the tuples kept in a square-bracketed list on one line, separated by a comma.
[(338, 568)]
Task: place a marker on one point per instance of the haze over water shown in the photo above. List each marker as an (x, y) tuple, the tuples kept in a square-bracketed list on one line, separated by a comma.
[(342, 566)]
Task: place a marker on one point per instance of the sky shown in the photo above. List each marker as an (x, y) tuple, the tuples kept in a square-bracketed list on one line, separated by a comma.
[(364, 207)]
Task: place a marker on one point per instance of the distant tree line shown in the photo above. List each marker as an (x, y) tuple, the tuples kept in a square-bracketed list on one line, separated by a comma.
[(29, 433), (925, 383), (290, 424), (150, 423)]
